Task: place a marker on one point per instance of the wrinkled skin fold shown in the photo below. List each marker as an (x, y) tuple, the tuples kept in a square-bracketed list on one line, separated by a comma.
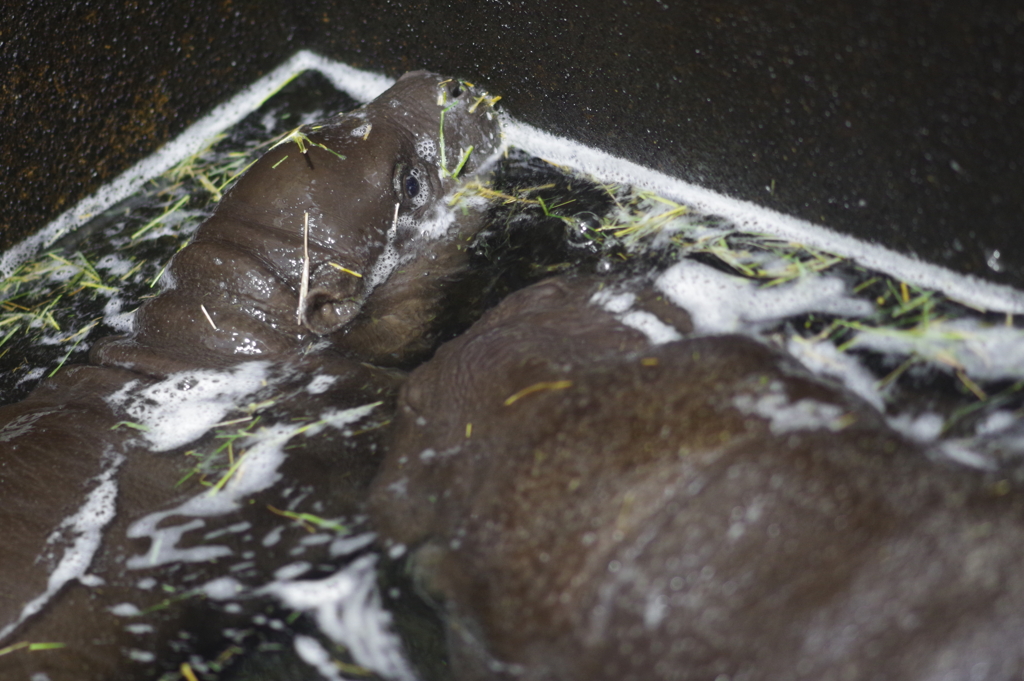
[(586, 504), (324, 265)]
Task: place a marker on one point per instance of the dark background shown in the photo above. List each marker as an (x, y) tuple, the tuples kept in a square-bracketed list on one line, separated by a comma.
[(899, 122)]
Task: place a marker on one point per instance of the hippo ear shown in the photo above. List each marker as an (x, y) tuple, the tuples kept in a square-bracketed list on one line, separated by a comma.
[(325, 312)]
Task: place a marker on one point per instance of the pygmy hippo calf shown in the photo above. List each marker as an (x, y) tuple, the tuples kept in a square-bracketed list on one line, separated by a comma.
[(589, 501), (310, 275)]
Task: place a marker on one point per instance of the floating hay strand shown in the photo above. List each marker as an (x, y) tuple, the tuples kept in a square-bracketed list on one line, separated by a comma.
[(303, 142), (208, 317), (162, 217), (30, 647), (186, 672), (311, 522), (537, 387), (345, 269), (304, 281)]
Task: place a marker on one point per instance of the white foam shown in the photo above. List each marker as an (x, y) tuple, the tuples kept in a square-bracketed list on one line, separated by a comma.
[(823, 358), (785, 416), (364, 86), (314, 654), (751, 217), (347, 609), (387, 261), (657, 331), (292, 570), (989, 353), (961, 452), (426, 148), (263, 453), (91, 581), (273, 537), (343, 546), (321, 384), (114, 265), (185, 405), (31, 375), (86, 528), (997, 422), (722, 303), (437, 222), (925, 427), (222, 588), (610, 301), (125, 610), (122, 322), (620, 305)]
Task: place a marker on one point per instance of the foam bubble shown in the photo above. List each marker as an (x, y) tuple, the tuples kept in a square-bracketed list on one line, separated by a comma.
[(657, 331), (185, 405), (426, 148), (751, 217), (292, 570), (122, 322), (722, 303), (386, 262), (114, 265), (785, 416), (222, 588), (990, 353), (321, 384), (347, 609), (823, 358), (437, 222), (258, 470), (620, 305), (925, 427), (125, 610), (86, 528), (314, 654)]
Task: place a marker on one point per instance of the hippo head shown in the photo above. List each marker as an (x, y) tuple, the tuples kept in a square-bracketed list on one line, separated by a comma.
[(325, 222)]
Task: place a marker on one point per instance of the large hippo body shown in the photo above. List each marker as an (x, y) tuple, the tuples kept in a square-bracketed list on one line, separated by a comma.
[(358, 207), (589, 501)]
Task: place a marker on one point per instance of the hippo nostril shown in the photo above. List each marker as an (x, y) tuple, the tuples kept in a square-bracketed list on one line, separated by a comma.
[(326, 313), (455, 89)]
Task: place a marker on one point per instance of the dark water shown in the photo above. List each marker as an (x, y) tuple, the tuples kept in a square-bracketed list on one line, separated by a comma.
[(544, 221)]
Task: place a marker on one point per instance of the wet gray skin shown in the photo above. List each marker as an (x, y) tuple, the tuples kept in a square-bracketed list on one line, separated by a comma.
[(244, 268), (587, 505)]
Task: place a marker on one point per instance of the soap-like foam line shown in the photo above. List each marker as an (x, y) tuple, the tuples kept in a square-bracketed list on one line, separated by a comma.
[(364, 86), (347, 608), (361, 85), (87, 526), (748, 216)]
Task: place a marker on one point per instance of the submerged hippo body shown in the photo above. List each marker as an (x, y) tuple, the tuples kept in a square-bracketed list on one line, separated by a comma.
[(90, 455), (592, 502)]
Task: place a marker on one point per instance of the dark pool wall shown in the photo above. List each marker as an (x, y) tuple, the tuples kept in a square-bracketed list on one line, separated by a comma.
[(897, 122)]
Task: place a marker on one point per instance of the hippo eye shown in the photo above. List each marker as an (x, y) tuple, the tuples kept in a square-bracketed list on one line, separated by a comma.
[(411, 185)]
